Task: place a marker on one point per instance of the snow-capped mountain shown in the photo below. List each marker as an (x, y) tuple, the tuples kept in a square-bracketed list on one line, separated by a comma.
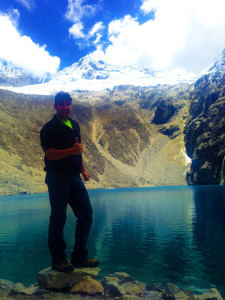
[(10, 72), (219, 64), (88, 74), (15, 77)]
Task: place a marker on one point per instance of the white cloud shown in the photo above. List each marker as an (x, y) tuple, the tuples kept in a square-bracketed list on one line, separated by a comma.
[(97, 40), (76, 30), (96, 28), (28, 4), (184, 33), (13, 15), (22, 52), (76, 12), (85, 40)]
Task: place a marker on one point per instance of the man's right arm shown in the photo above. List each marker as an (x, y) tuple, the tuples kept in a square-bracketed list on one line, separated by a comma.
[(57, 154)]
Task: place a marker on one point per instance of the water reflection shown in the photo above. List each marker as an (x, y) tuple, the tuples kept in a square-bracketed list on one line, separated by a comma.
[(148, 232), (209, 232)]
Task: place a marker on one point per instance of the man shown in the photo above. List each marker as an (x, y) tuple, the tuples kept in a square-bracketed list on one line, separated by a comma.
[(61, 142)]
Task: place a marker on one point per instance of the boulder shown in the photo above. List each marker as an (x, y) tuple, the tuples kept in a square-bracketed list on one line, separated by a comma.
[(166, 296), (210, 294), (88, 286), (132, 288), (5, 287), (154, 295), (9, 288), (18, 287), (182, 296), (120, 284), (33, 289), (52, 279), (121, 276), (172, 289), (188, 293), (112, 287), (157, 287), (141, 285)]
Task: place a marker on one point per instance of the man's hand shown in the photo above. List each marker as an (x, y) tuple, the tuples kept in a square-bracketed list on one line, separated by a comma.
[(86, 175), (77, 148), (57, 154)]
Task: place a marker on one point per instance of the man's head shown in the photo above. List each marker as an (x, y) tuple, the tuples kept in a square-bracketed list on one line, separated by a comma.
[(62, 96), (63, 105)]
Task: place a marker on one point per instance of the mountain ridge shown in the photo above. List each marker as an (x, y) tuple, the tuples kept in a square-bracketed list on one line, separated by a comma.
[(97, 75)]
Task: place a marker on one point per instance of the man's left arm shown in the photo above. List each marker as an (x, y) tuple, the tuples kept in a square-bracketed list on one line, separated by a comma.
[(85, 174)]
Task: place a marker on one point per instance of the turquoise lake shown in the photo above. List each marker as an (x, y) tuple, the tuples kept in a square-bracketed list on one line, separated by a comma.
[(166, 234)]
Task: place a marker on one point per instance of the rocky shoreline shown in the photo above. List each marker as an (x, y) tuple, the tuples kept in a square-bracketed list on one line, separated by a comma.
[(82, 284)]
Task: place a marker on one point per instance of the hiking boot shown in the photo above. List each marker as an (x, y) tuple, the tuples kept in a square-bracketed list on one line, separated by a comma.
[(87, 263), (63, 266)]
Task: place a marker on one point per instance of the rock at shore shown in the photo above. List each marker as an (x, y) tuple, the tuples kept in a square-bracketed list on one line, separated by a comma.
[(5, 287), (88, 286), (52, 279), (210, 294), (119, 285)]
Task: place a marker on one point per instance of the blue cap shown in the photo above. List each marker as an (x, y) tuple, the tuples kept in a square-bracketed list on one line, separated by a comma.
[(62, 96)]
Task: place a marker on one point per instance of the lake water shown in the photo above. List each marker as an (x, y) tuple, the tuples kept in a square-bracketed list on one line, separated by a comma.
[(169, 234)]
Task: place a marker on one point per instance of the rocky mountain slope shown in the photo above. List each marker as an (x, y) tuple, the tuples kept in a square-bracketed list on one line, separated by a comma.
[(205, 128), (123, 146)]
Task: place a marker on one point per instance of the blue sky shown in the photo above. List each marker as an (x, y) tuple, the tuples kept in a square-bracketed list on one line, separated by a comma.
[(44, 36)]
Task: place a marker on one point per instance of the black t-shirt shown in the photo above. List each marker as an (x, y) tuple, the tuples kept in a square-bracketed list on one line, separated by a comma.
[(57, 135)]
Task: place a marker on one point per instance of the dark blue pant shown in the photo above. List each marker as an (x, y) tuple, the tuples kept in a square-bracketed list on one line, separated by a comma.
[(63, 189)]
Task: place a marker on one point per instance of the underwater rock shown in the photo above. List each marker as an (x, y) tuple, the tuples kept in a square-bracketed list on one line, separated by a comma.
[(121, 276), (132, 288), (210, 294)]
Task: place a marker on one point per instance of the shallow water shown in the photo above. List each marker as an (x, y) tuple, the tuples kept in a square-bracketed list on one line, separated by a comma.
[(174, 234)]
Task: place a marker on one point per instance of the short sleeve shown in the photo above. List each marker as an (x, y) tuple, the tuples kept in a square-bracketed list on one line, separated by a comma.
[(47, 138)]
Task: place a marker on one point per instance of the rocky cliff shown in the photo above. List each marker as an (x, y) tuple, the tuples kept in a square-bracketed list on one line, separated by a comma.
[(205, 128)]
